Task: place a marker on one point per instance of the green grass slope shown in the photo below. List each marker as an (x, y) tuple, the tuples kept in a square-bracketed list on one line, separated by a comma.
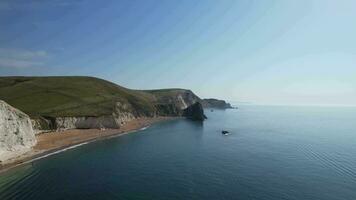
[(71, 96)]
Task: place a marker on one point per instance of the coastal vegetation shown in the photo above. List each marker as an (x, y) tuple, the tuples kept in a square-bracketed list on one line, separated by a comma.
[(70, 96), (79, 96)]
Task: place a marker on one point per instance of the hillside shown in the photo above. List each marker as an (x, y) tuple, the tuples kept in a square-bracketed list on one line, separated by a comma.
[(70, 96), (53, 98)]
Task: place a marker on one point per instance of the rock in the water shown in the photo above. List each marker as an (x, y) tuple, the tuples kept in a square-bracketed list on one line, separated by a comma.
[(195, 112), (16, 133)]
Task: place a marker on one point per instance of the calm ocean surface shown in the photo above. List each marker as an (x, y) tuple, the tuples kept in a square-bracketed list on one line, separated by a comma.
[(272, 153)]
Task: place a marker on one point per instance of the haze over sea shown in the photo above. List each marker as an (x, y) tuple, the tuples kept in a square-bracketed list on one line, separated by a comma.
[(273, 152)]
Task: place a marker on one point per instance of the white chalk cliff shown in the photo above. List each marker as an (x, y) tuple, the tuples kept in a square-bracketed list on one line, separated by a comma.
[(16, 134)]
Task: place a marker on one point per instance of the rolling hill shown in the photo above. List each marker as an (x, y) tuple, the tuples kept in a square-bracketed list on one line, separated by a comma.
[(59, 99)]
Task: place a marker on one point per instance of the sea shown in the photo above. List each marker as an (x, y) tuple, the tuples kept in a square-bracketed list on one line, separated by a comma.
[(270, 153)]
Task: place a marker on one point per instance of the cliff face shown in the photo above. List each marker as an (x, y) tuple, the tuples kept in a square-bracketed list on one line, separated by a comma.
[(166, 103), (172, 102), (182, 103), (195, 112), (16, 133), (181, 98), (216, 103), (121, 114), (179, 102), (57, 103)]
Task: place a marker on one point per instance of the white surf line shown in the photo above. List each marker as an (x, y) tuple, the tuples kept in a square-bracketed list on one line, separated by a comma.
[(144, 128), (77, 145), (128, 132), (72, 147), (44, 156), (55, 152)]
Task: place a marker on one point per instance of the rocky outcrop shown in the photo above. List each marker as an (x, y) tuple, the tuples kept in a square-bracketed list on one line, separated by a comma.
[(167, 110), (180, 98), (195, 112), (16, 133), (63, 123), (178, 103), (173, 102), (170, 102), (216, 103), (122, 114), (43, 124)]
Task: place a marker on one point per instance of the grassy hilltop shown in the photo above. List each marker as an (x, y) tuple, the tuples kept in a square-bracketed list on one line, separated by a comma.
[(76, 96)]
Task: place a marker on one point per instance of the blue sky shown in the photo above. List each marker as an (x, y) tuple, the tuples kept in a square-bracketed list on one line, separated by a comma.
[(266, 52)]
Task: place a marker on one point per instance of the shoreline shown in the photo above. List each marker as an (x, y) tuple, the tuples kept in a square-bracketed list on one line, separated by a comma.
[(51, 143)]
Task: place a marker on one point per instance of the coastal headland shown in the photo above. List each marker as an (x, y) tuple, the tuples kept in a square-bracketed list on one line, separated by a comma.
[(42, 115)]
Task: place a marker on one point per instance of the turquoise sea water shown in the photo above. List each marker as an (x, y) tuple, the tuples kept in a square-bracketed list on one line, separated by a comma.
[(273, 152)]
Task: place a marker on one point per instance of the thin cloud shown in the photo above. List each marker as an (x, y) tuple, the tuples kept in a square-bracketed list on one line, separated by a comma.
[(18, 64), (21, 59)]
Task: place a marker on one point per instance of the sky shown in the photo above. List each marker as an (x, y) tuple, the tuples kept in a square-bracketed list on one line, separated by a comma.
[(297, 52)]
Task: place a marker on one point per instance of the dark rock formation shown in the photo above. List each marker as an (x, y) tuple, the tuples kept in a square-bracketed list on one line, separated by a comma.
[(195, 112), (175, 102), (167, 110), (216, 103)]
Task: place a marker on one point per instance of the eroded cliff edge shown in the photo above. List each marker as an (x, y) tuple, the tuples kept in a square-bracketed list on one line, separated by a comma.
[(16, 134)]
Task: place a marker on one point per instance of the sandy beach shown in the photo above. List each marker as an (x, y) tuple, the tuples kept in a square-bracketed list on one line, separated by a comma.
[(53, 142)]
